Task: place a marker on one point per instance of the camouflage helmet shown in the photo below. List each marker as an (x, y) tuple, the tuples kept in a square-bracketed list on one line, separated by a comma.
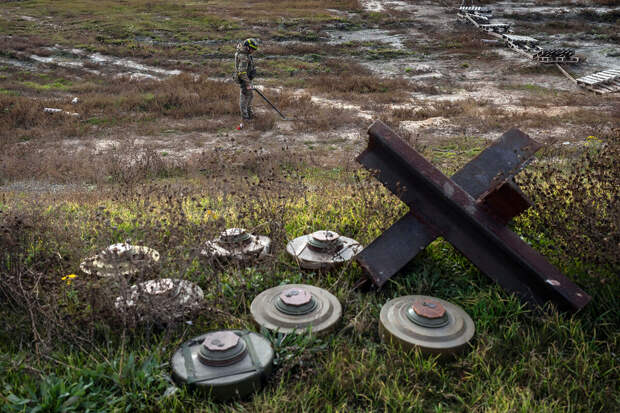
[(251, 43)]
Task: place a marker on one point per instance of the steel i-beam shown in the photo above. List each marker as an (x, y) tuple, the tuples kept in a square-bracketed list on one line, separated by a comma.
[(448, 210), (483, 177)]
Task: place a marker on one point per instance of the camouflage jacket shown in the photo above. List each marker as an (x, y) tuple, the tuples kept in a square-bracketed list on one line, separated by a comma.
[(244, 65)]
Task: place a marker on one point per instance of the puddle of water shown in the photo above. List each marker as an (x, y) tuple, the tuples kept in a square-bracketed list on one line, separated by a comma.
[(381, 5), (599, 56), (369, 35), (18, 63), (130, 64), (136, 76), (75, 59), (399, 67)]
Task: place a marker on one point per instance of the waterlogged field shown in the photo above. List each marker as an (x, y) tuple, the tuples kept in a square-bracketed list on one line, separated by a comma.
[(149, 153)]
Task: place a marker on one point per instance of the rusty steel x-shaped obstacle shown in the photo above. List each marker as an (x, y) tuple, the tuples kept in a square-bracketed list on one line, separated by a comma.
[(469, 210)]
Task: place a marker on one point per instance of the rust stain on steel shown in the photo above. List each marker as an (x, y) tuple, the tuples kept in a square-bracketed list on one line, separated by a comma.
[(447, 209), (393, 249)]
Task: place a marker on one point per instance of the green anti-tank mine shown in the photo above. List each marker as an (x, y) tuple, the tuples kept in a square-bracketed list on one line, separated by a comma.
[(238, 244), (323, 249), (226, 364), (430, 324), (120, 259), (296, 308)]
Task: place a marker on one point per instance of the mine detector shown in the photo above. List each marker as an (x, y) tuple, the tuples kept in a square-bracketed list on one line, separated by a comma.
[(269, 103)]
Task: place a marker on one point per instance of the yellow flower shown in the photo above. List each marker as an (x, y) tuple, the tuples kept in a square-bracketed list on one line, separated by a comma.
[(210, 214), (68, 278)]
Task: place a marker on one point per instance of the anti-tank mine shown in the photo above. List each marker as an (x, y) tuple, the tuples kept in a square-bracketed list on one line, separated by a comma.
[(431, 324), (161, 300), (296, 308), (323, 249), (122, 259), (225, 364), (236, 244)]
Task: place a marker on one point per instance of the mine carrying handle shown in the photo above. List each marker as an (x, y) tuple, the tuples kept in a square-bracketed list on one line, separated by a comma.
[(270, 104)]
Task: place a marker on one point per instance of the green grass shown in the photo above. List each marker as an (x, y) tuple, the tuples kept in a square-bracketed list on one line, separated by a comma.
[(59, 84), (518, 360)]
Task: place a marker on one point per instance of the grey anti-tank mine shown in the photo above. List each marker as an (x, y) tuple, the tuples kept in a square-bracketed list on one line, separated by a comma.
[(430, 324), (226, 364), (323, 249), (238, 244), (161, 300), (296, 308), (121, 259)]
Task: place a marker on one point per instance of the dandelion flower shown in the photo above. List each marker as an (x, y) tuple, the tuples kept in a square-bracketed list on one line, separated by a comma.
[(68, 278)]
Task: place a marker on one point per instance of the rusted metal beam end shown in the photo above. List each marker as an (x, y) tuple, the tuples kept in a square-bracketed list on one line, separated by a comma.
[(497, 163), (505, 201), (449, 210), (391, 251)]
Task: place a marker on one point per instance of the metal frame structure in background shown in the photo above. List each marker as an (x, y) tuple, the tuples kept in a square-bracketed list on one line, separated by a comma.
[(470, 211)]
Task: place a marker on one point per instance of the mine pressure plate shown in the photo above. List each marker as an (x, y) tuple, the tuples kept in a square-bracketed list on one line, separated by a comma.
[(322, 249), (162, 299), (226, 363), (238, 244), (296, 307), (431, 324), (120, 259)]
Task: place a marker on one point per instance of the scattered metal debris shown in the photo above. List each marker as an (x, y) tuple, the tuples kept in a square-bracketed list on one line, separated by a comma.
[(225, 364), (476, 10), (527, 46), (322, 249), (448, 207), (430, 324), (238, 244), (296, 308), (121, 259)]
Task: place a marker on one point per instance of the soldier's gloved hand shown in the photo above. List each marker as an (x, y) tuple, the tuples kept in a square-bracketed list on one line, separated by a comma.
[(249, 86)]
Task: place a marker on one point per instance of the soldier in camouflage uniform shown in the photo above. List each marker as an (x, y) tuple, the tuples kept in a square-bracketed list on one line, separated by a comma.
[(244, 73)]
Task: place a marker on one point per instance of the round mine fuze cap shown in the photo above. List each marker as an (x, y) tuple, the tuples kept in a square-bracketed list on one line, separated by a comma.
[(221, 348), (226, 364), (236, 243), (322, 249), (120, 259), (234, 236), (430, 324), (296, 308)]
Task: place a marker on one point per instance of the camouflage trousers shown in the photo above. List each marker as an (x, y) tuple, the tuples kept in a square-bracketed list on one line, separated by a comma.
[(245, 103)]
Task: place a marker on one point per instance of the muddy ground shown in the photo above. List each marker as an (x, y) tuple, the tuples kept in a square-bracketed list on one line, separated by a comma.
[(453, 86)]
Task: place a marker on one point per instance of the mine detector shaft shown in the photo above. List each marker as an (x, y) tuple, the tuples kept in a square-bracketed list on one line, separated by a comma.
[(270, 104)]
